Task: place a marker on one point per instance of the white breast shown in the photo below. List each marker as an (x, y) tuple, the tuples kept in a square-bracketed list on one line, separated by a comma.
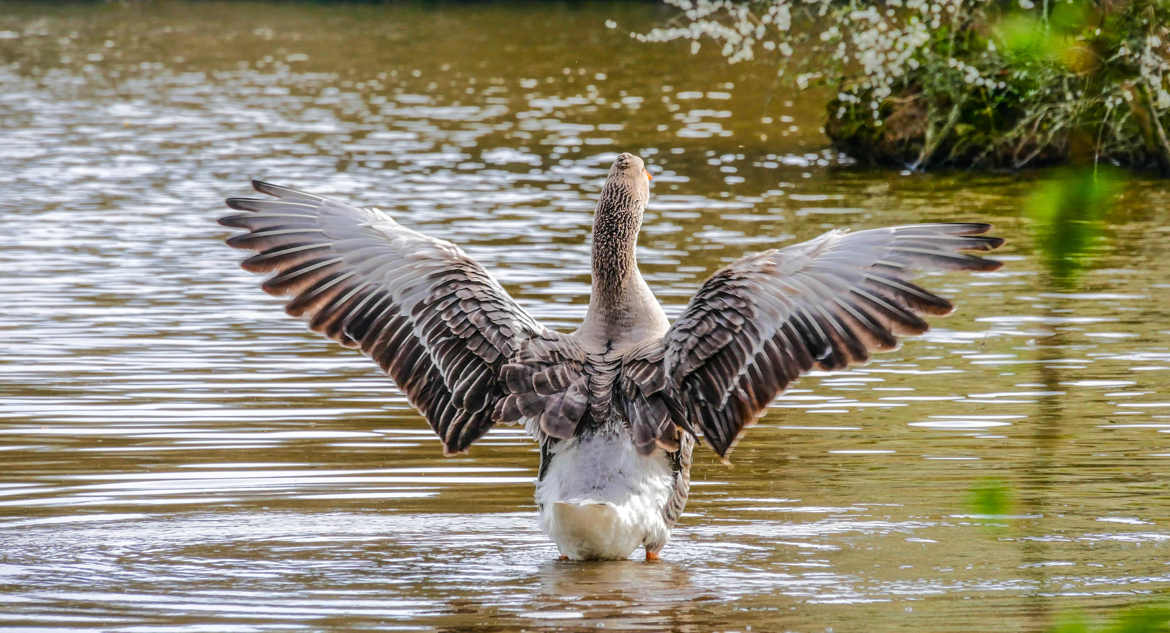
[(601, 499)]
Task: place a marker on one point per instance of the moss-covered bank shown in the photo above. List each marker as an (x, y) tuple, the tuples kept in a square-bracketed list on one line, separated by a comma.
[(1083, 84)]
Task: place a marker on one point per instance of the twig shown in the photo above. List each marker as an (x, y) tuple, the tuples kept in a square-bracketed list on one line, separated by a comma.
[(1157, 124), (932, 140)]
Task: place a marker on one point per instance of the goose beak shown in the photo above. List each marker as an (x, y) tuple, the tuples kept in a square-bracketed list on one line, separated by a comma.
[(647, 174)]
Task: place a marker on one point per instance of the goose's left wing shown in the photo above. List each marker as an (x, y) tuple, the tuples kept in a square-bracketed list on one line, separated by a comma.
[(428, 314), (765, 319)]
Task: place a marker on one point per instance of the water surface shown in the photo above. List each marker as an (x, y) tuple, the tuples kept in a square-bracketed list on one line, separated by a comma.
[(181, 456)]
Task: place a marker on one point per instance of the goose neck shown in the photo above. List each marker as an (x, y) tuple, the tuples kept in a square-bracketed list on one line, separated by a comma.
[(615, 264)]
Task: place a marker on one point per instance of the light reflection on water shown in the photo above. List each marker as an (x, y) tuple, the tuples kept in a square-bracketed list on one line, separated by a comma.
[(181, 456)]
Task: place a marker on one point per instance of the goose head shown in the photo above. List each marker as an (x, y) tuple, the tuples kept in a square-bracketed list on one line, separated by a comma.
[(628, 186)]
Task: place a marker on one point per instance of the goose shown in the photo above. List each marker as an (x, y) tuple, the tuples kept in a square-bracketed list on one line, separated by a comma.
[(617, 406)]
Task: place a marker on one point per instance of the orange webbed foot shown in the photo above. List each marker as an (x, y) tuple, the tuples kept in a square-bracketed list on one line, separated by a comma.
[(650, 556), (564, 557)]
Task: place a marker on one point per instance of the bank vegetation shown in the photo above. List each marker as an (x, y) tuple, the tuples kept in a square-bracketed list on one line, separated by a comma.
[(963, 83)]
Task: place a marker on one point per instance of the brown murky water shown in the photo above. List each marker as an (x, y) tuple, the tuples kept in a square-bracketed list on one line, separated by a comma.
[(178, 455)]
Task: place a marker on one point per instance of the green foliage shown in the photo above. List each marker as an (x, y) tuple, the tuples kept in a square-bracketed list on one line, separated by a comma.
[(1068, 212), (1027, 39), (990, 497), (1086, 83), (1140, 619)]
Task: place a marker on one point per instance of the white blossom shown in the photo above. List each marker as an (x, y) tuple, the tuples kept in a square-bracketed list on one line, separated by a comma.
[(876, 47)]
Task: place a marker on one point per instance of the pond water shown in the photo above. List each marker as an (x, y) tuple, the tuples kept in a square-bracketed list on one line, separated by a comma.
[(179, 455)]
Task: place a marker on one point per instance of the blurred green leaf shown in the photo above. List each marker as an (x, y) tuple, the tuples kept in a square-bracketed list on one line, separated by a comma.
[(1139, 619), (991, 497), (1071, 623), (1068, 211), (1026, 37), (1144, 619), (1069, 17)]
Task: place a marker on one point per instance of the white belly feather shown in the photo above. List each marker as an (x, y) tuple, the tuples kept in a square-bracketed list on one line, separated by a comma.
[(601, 499)]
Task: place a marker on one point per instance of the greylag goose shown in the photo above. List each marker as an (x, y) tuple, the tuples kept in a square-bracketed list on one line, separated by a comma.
[(616, 406)]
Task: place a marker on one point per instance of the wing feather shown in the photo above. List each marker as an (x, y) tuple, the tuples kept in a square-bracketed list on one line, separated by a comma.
[(762, 321), (429, 315)]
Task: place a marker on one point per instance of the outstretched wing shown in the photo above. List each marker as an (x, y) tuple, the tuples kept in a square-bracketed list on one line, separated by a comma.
[(428, 314), (765, 319)]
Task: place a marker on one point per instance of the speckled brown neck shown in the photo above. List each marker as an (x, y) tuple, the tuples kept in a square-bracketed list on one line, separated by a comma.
[(622, 309), (615, 236)]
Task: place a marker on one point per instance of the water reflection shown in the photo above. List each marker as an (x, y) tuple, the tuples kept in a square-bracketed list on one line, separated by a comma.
[(625, 594), (179, 455)]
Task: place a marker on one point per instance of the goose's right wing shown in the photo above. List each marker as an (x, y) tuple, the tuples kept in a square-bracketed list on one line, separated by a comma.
[(765, 319), (428, 314)]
